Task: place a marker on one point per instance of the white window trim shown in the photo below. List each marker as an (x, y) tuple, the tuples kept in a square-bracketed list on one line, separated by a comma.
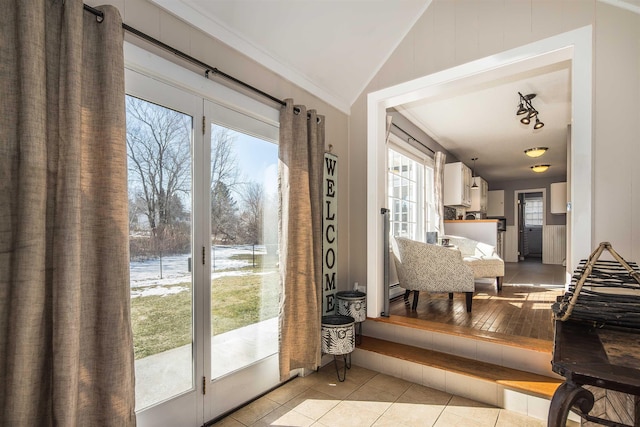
[(401, 146), (149, 64)]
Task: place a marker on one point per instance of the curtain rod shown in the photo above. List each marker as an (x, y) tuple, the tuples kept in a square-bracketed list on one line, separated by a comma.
[(208, 68), (411, 137)]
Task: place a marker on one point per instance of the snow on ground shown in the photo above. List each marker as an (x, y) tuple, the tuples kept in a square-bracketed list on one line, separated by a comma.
[(145, 275)]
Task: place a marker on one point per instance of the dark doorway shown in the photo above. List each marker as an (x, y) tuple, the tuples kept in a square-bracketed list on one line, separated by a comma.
[(530, 220)]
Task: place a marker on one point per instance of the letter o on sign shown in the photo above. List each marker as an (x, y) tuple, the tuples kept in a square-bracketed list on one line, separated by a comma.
[(330, 258)]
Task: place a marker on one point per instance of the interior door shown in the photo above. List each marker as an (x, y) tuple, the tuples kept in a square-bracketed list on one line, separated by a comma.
[(242, 360), (166, 281)]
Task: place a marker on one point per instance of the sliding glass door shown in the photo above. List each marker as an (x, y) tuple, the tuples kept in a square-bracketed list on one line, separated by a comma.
[(204, 248)]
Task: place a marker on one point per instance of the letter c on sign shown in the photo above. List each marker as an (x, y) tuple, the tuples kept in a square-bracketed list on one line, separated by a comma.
[(326, 234)]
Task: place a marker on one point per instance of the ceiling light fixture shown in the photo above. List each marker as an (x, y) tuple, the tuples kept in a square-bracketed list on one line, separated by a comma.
[(525, 107), (536, 151), (538, 124), (474, 186), (540, 168)]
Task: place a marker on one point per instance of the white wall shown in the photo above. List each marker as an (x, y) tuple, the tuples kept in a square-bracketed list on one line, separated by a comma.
[(451, 33), (617, 130)]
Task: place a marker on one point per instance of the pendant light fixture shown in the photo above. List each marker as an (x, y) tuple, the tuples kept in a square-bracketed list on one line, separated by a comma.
[(536, 151), (526, 107), (474, 186)]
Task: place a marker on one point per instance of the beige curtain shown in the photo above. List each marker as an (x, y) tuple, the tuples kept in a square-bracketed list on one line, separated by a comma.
[(438, 184), (66, 354), (301, 149)]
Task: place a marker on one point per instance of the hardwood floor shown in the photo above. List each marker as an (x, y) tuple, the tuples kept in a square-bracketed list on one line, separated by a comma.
[(522, 308)]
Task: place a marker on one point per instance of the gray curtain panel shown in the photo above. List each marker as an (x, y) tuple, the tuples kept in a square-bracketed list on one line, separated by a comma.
[(66, 353), (301, 150), (438, 184)]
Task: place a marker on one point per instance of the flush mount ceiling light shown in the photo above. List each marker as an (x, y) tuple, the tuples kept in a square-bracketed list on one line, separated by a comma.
[(525, 107), (475, 185), (540, 168), (536, 151)]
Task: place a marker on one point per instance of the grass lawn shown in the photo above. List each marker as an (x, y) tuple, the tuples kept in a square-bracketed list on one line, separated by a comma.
[(161, 323)]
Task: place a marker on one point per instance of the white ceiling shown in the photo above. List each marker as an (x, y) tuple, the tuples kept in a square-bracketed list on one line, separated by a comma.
[(482, 122), (334, 48), (331, 48)]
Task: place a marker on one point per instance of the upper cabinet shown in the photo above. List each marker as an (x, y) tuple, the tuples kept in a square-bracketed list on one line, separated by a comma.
[(495, 203), (457, 185), (559, 198), (479, 195)]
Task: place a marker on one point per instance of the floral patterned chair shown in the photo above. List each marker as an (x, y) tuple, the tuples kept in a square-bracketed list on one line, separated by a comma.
[(431, 268)]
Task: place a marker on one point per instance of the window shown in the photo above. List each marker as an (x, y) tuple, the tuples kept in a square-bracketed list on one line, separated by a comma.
[(533, 212), (410, 193)]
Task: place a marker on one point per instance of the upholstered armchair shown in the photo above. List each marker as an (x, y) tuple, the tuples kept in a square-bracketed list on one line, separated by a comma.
[(431, 268), (481, 257)]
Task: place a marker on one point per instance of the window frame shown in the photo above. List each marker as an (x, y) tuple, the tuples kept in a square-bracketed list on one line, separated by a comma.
[(425, 200)]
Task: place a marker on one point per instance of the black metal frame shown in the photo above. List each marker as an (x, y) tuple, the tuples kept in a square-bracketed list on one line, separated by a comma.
[(347, 365)]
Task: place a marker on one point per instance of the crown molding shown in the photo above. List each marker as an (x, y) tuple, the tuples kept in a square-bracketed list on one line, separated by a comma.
[(208, 24)]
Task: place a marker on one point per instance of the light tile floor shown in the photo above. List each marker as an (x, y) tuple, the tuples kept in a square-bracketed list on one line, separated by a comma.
[(368, 398)]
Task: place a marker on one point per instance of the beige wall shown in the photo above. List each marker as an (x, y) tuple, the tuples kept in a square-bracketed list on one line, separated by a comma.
[(617, 130), (453, 32), (161, 25)]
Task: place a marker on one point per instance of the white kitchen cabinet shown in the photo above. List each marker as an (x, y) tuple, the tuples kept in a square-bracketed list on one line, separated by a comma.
[(479, 195), (495, 203), (559, 198), (457, 185)]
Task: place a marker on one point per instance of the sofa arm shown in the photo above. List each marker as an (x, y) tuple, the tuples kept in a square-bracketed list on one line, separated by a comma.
[(486, 249)]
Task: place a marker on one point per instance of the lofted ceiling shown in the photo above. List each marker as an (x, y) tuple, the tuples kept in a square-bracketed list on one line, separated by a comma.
[(333, 48)]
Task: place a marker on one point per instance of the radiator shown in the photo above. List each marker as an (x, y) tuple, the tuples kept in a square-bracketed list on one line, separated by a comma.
[(554, 244)]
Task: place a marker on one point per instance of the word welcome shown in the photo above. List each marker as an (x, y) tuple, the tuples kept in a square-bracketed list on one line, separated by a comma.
[(330, 237)]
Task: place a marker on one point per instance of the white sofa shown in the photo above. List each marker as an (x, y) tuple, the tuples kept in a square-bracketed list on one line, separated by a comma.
[(481, 257)]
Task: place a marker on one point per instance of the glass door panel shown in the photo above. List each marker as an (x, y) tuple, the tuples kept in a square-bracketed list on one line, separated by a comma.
[(244, 242), (163, 153), (245, 280), (159, 162)]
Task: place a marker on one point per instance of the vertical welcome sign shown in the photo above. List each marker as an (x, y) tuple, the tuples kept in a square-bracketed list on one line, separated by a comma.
[(329, 233)]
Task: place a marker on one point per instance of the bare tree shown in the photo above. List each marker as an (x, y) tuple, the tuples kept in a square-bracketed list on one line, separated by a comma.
[(224, 179), (158, 148), (252, 216), (224, 215), (224, 165)]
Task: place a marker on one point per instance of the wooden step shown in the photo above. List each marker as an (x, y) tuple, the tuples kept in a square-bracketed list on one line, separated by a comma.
[(526, 382), (467, 332)]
